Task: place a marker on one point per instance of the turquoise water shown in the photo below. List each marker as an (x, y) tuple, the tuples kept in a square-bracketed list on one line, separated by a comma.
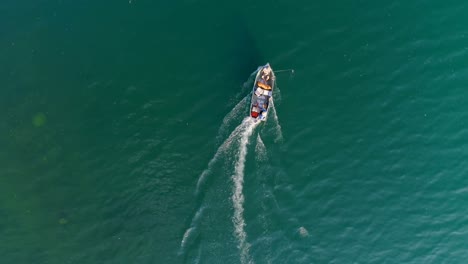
[(123, 137)]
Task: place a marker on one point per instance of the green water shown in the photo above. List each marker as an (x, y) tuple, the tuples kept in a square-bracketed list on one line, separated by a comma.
[(122, 137)]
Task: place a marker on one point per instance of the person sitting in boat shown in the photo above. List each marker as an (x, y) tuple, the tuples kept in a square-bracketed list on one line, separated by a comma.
[(266, 73)]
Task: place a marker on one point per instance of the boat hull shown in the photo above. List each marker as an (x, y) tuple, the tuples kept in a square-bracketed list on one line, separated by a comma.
[(262, 93)]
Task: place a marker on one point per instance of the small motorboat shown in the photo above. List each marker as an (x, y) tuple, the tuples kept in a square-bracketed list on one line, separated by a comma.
[(262, 93)]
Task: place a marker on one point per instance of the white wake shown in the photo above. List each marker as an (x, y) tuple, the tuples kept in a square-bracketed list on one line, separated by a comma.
[(279, 132), (230, 117), (260, 150), (221, 150), (238, 196), (240, 136), (189, 233)]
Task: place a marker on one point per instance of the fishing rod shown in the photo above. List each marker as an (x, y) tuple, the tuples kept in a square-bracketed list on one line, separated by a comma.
[(290, 70)]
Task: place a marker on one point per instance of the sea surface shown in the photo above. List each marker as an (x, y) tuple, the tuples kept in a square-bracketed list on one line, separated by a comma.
[(123, 136)]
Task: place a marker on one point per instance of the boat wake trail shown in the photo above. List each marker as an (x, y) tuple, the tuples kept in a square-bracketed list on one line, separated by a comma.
[(260, 149), (221, 150), (279, 133), (238, 196), (192, 232), (189, 234), (240, 137), (237, 111), (230, 117), (277, 93), (233, 115)]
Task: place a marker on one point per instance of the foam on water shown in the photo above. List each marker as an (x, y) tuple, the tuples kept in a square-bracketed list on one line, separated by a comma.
[(237, 112), (261, 156), (189, 233), (230, 117), (260, 149), (197, 260), (303, 232), (277, 93), (279, 132), (242, 131), (238, 196), (221, 149)]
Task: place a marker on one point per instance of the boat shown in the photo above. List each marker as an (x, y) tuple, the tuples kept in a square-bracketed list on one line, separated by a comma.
[(262, 93)]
